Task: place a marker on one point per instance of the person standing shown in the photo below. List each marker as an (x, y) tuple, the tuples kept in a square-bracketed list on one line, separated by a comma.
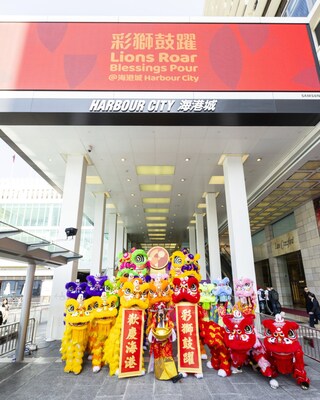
[(313, 306), (273, 297), (5, 311), (309, 305), (261, 300)]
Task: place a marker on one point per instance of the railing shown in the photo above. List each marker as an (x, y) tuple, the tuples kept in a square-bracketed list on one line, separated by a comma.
[(309, 338), (9, 336)]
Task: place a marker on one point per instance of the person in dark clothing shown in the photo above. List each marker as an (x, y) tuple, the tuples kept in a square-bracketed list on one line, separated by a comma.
[(314, 309), (273, 299), (309, 305)]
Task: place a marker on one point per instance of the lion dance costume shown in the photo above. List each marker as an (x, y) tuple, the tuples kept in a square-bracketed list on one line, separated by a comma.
[(160, 328), (75, 337), (284, 350)]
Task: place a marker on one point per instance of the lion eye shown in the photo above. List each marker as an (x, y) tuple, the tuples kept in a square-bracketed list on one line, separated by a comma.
[(268, 332), (193, 287), (70, 309), (248, 329), (127, 291), (291, 334)]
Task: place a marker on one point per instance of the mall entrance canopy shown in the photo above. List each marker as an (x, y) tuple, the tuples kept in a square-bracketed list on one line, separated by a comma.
[(22, 246)]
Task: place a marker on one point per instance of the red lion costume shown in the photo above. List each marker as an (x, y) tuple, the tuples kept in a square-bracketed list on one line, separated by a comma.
[(284, 350), (241, 339)]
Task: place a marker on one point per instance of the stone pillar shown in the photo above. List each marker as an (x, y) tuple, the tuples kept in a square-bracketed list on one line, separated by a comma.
[(213, 236), (192, 240), (309, 240), (238, 219), (119, 241), (98, 234), (201, 245), (125, 238), (71, 217), (111, 252)]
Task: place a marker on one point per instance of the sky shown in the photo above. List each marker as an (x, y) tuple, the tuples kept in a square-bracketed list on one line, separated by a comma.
[(12, 166)]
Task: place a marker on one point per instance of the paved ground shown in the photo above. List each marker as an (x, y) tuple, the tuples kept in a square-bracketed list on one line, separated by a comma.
[(41, 376)]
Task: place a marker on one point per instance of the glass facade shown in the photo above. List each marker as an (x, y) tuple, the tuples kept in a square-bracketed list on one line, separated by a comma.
[(298, 8), (284, 225)]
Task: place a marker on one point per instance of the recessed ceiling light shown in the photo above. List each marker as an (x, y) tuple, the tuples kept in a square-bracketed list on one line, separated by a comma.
[(156, 224), (179, 194), (128, 180), (187, 159), (132, 194), (156, 218), (182, 179), (216, 180), (222, 206), (93, 180), (156, 210), (155, 188), (259, 159), (155, 169), (156, 200), (123, 159), (244, 157), (136, 205)]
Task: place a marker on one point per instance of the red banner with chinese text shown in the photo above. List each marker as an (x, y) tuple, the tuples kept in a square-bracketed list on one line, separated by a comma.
[(189, 355), (131, 343), (157, 56)]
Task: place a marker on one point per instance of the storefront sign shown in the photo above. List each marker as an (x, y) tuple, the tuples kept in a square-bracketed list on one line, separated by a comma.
[(191, 57), (189, 356), (152, 106), (131, 342), (284, 244)]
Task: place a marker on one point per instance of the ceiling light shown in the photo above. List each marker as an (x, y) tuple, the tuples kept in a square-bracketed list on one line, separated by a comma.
[(156, 230), (156, 224), (156, 218), (136, 205), (110, 205), (193, 221), (156, 200), (93, 180), (156, 210), (244, 157), (183, 179), (123, 159), (155, 169), (128, 180), (216, 180), (202, 205), (259, 159), (155, 188), (187, 159), (132, 194), (179, 194)]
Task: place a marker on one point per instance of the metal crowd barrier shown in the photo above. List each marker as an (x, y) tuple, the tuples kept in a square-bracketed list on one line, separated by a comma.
[(9, 336), (309, 338)]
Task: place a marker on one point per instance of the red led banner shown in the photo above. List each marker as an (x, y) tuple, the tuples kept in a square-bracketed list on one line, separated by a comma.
[(157, 57), (189, 355), (131, 342)]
